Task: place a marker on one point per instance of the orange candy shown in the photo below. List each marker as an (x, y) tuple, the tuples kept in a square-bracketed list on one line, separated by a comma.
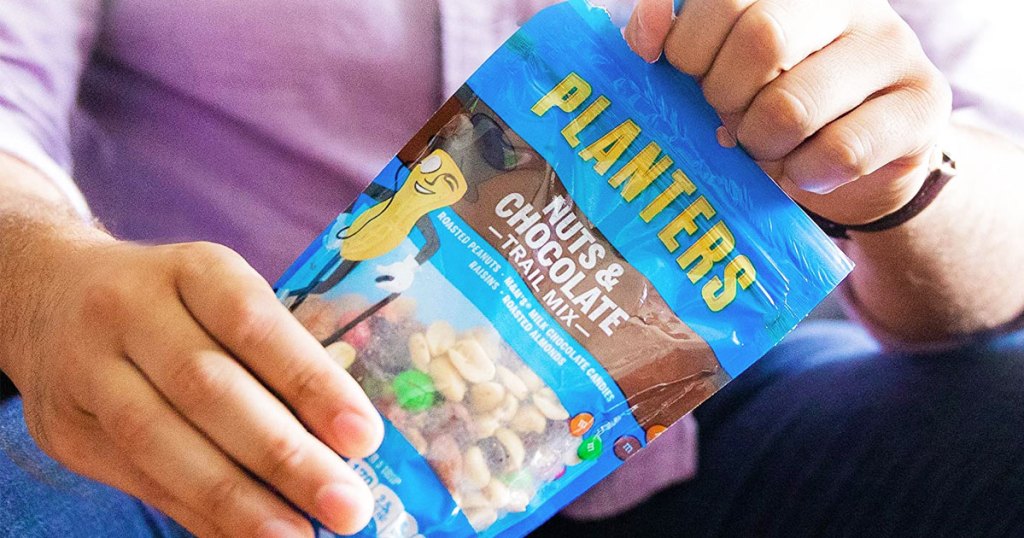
[(654, 431), (580, 424)]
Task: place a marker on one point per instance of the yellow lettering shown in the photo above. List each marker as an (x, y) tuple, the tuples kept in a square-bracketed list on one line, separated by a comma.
[(572, 131), (680, 184), (641, 171), (738, 272), (687, 220), (711, 248), (611, 146), (568, 95)]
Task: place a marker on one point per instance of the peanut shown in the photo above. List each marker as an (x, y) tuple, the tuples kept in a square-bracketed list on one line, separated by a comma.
[(447, 380), (486, 396), (343, 353), (419, 351), (440, 336), (471, 361)]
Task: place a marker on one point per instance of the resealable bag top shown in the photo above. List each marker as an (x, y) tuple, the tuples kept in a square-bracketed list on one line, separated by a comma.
[(558, 266)]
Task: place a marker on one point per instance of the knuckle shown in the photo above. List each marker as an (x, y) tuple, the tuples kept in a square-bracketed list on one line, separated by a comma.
[(284, 455), (682, 57), (221, 496), (252, 321), (732, 6), (777, 121), (105, 300), (206, 251), (788, 113), (719, 94), (308, 386), (764, 33), (936, 89), (896, 33), (846, 153), (133, 425), (206, 382), (202, 257)]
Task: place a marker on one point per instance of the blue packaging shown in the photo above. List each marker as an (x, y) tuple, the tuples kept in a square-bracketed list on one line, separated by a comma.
[(558, 266)]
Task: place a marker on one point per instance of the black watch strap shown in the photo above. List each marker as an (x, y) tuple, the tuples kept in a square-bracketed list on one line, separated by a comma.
[(7, 389), (933, 184)]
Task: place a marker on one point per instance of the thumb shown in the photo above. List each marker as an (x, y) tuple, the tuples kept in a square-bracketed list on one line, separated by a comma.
[(648, 27)]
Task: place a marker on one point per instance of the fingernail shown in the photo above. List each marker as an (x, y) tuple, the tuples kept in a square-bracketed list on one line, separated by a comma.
[(360, 433), (821, 187), (630, 34), (280, 528), (344, 508)]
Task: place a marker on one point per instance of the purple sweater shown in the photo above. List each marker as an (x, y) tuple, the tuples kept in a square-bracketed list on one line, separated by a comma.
[(191, 120)]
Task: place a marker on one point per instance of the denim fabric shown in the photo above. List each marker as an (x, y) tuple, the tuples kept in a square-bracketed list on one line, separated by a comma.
[(39, 498), (829, 436)]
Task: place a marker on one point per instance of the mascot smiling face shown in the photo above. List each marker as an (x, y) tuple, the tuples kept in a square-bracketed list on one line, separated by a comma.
[(435, 182)]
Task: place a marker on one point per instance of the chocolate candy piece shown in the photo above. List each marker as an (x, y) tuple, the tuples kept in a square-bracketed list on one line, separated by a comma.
[(626, 446)]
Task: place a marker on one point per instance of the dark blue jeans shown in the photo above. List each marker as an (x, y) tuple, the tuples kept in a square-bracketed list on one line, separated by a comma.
[(40, 498), (825, 436)]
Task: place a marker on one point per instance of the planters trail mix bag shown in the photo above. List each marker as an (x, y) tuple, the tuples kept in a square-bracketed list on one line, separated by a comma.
[(558, 266)]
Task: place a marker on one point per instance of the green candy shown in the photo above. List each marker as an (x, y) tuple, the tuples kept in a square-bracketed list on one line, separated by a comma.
[(414, 390), (590, 448)]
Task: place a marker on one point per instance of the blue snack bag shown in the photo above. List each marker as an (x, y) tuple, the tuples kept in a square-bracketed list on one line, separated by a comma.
[(558, 266)]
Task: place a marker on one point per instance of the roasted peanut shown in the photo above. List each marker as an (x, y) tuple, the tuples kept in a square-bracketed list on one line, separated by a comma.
[(440, 337), (513, 383), (474, 499), (489, 340), (513, 447), (530, 378), (485, 425), (486, 396), (529, 420), (481, 518), (471, 361), (518, 500), (419, 351), (548, 404), (496, 493), (447, 380), (416, 439), (475, 467), (508, 409), (343, 353)]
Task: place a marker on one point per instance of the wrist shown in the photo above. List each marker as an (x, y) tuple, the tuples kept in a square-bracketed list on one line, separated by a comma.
[(938, 176), (38, 248), (871, 197)]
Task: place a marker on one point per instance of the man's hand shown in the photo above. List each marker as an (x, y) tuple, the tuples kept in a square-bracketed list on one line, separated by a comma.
[(835, 99), (174, 374)]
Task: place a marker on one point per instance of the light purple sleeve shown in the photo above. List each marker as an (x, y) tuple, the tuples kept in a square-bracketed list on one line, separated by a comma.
[(977, 45), (44, 45)]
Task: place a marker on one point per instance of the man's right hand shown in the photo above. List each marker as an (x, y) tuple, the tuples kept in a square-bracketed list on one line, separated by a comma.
[(174, 374)]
